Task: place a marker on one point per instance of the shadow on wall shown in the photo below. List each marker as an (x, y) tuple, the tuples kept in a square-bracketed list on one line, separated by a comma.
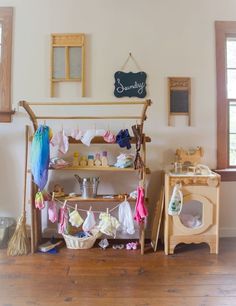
[(10, 189), (156, 181)]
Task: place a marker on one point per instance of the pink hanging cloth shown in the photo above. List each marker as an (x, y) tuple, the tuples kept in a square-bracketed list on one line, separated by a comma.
[(52, 209), (63, 219), (140, 208)]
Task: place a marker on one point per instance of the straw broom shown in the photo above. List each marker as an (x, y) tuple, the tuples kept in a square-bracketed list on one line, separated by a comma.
[(19, 243)]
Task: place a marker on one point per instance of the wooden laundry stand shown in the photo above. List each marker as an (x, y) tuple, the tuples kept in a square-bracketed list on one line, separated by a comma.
[(36, 230)]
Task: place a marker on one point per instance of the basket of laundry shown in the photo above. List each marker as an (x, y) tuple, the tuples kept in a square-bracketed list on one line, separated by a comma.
[(86, 242)]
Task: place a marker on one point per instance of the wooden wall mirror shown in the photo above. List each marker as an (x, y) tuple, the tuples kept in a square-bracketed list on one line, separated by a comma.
[(179, 97), (67, 60)]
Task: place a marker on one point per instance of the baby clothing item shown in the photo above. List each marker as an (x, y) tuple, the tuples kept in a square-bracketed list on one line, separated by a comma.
[(132, 246), (89, 222), (63, 219), (126, 218), (90, 134), (39, 200), (58, 163), (75, 218), (190, 221), (124, 161), (140, 208), (176, 201), (40, 156), (52, 211), (108, 225), (123, 139), (109, 137), (76, 134), (82, 234), (103, 243), (61, 140)]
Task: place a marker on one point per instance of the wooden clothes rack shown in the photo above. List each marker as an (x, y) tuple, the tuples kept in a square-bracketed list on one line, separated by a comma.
[(36, 229)]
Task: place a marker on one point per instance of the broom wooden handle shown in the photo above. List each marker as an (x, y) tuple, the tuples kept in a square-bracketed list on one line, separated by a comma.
[(26, 164)]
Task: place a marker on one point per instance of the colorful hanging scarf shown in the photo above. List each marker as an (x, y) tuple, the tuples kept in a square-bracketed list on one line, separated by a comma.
[(40, 156)]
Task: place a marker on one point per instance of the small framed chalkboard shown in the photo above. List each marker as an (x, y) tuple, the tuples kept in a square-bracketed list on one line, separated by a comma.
[(179, 97)]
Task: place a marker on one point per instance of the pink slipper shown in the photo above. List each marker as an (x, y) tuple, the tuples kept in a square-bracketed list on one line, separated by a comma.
[(129, 246)]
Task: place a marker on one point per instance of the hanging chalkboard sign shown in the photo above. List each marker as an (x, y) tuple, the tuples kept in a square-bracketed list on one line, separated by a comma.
[(130, 84)]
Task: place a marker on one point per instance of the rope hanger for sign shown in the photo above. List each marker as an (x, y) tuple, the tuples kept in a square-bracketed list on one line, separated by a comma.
[(130, 84), (130, 57)]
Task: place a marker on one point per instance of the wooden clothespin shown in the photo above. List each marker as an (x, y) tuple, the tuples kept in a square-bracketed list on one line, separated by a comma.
[(107, 210), (76, 207), (90, 208), (53, 196), (64, 205)]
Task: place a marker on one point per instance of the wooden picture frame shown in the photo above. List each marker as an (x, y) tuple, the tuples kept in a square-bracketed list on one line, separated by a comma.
[(179, 93), (67, 60)]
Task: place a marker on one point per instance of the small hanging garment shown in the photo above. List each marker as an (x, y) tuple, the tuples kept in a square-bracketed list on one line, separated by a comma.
[(140, 208), (126, 218), (39, 200), (109, 137), (75, 219), (176, 201), (108, 225), (40, 156), (63, 219), (90, 134), (123, 139), (76, 134), (52, 211), (89, 222), (61, 140)]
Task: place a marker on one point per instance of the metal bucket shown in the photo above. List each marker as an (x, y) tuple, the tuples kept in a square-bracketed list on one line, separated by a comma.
[(88, 186)]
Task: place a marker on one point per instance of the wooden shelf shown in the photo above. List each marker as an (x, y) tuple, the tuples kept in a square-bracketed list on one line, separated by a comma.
[(110, 168), (100, 140), (99, 198)]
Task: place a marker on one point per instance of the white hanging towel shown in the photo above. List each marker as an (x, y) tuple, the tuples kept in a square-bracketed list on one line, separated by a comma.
[(89, 222), (126, 218)]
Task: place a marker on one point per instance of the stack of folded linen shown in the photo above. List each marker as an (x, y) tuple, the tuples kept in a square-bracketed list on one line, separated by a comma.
[(58, 163), (124, 161)]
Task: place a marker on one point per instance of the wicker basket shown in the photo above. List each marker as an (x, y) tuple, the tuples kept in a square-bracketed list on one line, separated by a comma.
[(73, 242)]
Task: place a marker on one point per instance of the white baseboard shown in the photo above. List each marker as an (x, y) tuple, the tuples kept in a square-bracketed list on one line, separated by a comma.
[(228, 232)]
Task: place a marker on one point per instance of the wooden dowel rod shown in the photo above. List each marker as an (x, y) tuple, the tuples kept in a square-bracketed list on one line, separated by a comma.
[(92, 117), (86, 103)]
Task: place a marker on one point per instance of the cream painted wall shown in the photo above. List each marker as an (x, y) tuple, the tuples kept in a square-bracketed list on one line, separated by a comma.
[(167, 38)]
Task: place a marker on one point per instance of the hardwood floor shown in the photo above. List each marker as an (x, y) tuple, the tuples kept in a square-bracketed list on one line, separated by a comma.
[(91, 277)]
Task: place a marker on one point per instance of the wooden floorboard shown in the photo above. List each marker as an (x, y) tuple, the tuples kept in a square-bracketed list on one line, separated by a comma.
[(190, 277)]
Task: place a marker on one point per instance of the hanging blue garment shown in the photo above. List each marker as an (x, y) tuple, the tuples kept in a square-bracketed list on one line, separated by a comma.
[(40, 156)]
